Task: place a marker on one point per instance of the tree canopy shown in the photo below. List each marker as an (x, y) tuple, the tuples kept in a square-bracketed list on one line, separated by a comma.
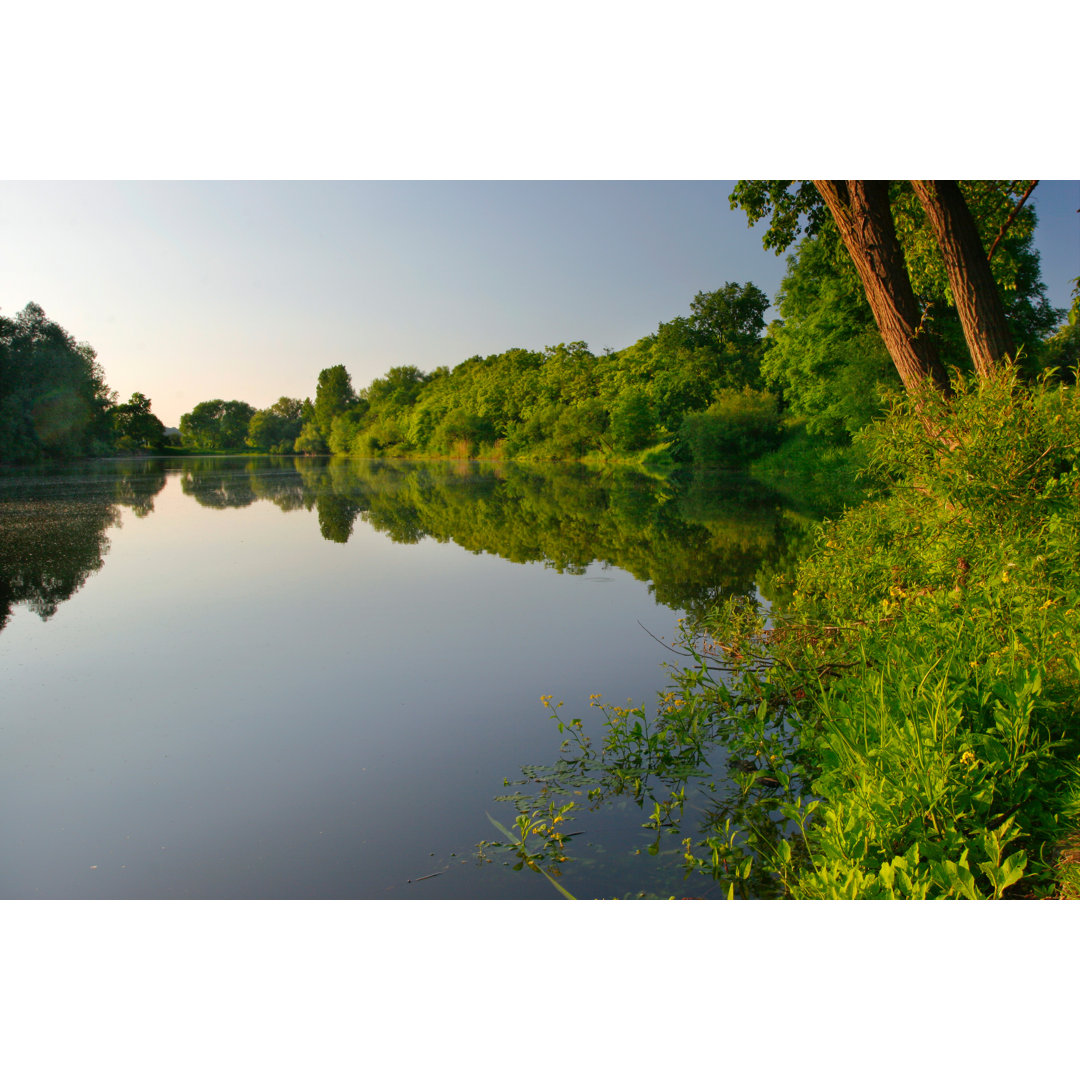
[(562, 402), (915, 245), (135, 426), (53, 397), (216, 425)]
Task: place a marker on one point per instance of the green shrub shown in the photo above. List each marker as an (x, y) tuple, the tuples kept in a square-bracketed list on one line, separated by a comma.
[(738, 426), (942, 721)]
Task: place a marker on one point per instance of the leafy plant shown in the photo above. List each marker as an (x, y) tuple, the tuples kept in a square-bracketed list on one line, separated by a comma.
[(906, 725), (542, 827)]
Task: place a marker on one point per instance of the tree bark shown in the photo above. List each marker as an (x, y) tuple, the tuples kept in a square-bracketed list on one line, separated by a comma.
[(862, 213), (973, 287)]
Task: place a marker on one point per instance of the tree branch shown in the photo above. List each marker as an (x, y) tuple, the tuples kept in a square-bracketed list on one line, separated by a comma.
[(1009, 219)]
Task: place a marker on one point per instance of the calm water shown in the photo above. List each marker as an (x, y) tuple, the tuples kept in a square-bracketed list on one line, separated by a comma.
[(227, 678)]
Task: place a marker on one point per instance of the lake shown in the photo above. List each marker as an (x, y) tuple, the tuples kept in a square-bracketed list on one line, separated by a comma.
[(303, 678)]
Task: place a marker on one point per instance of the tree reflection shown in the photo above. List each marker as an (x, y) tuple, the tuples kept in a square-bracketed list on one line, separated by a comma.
[(137, 482), (53, 525), (695, 542), (218, 483), (52, 538)]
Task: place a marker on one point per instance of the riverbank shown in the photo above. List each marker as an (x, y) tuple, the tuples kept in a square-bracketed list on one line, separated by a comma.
[(928, 665), (902, 720)]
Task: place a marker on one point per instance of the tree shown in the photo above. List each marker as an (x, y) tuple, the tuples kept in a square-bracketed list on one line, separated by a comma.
[(199, 428), (397, 390), (275, 429), (53, 395), (824, 353), (633, 423), (333, 395), (462, 429), (288, 408), (271, 432), (216, 425), (309, 441), (733, 315), (972, 284), (863, 214), (135, 426), (235, 418), (739, 425), (346, 426)]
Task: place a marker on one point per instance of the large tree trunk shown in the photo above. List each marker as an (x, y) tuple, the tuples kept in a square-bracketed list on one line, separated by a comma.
[(973, 287), (862, 213)]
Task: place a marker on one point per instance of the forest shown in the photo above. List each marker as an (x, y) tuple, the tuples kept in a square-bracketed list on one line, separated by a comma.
[(692, 389)]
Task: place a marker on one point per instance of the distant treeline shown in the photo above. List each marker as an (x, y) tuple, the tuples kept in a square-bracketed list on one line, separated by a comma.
[(709, 388), (692, 390)]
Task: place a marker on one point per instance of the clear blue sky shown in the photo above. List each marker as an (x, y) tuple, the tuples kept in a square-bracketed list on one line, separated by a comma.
[(195, 290)]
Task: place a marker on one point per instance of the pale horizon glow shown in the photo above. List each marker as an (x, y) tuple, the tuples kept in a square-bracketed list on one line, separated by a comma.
[(238, 289)]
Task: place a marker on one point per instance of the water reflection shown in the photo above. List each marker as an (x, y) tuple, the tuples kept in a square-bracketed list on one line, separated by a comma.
[(318, 694), (53, 528), (694, 541)]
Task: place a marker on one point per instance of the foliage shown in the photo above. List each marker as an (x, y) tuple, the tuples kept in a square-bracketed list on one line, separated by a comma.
[(216, 425), (543, 828), (736, 427), (953, 598), (790, 211), (907, 726), (275, 429), (134, 426), (54, 401)]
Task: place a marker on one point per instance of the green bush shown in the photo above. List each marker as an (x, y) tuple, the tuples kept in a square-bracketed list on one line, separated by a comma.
[(738, 426), (931, 655)]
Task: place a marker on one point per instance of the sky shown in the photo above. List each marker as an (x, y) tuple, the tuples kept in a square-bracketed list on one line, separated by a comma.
[(191, 290)]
